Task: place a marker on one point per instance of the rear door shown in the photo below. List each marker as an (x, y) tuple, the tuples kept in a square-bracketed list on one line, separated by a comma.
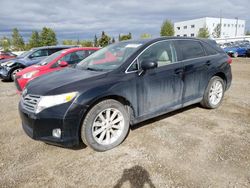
[(196, 65)]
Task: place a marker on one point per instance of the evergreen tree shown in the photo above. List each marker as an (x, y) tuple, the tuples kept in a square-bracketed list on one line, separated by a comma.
[(5, 43), (96, 41), (203, 32), (113, 40), (34, 40), (125, 37), (104, 40), (145, 36), (217, 31), (167, 28), (17, 40), (247, 32), (48, 37)]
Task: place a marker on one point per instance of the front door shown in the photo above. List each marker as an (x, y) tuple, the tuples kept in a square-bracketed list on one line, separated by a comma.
[(160, 89)]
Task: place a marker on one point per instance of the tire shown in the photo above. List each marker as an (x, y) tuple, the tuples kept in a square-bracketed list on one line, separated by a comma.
[(13, 74), (105, 126), (214, 93)]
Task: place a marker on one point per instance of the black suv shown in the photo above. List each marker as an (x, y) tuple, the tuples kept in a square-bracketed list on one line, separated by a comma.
[(121, 85), (9, 68)]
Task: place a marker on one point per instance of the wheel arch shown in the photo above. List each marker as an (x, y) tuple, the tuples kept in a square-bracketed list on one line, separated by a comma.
[(128, 106)]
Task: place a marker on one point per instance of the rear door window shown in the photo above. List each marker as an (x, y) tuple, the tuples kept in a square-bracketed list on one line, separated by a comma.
[(39, 53), (190, 49)]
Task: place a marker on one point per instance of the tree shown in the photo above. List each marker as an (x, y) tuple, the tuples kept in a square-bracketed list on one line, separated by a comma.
[(113, 40), (217, 31), (48, 37), (203, 32), (69, 42), (125, 37), (17, 40), (96, 41), (167, 28), (146, 36), (104, 40), (86, 43), (247, 32), (5, 43), (34, 40)]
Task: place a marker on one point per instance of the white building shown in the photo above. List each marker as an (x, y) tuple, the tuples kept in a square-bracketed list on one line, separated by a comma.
[(229, 27)]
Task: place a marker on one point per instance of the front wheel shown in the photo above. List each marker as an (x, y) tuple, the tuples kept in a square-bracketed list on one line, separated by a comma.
[(214, 93), (13, 74), (105, 125)]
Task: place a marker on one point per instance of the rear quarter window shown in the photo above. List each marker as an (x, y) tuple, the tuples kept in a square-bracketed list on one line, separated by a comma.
[(209, 49), (190, 49)]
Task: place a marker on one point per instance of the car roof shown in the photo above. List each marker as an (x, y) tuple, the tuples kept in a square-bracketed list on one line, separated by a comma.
[(68, 50), (52, 47)]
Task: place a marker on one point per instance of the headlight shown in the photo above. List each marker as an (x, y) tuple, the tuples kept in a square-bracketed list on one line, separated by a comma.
[(53, 100), (8, 64), (30, 74)]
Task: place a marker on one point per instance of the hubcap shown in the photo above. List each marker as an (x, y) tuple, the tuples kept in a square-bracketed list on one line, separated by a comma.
[(14, 73), (215, 93), (108, 126)]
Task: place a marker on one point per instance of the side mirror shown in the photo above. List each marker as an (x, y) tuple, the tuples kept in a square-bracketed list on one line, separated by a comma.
[(63, 64), (148, 64)]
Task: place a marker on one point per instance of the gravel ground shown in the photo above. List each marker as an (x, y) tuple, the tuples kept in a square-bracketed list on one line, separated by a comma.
[(192, 147)]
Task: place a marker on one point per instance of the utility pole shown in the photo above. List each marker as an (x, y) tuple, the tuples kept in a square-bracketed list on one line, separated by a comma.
[(236, 26), (220, 24)]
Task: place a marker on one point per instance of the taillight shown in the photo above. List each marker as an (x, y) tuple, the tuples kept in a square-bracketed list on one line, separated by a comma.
[(229, 60)]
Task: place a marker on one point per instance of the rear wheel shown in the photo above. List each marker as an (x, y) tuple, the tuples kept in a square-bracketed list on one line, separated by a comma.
[(13, 74), (214, 93), (105, 126)]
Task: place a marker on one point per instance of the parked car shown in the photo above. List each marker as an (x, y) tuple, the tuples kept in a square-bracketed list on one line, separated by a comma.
[(52, 63), (9, 68), (235, 51), (6, 55), (98, 100)]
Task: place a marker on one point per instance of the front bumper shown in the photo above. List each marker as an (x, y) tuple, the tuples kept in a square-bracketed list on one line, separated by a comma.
[(4, 74), (20, 83), (40, 126)]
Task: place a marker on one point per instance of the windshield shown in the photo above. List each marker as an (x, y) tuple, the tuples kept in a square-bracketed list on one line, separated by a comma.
[(50, 58), (25, 53), (110, 57)]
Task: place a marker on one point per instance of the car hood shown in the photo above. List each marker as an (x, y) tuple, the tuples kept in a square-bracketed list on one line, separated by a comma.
[(65, 80), (32, 68)]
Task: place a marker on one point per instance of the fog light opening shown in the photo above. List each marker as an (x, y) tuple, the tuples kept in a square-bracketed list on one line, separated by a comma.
[(56, 133)]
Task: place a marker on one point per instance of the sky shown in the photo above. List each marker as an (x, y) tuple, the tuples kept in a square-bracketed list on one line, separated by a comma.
[(82, 19)]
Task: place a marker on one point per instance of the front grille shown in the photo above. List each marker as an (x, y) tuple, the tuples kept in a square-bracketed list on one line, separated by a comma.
[(30, 102)]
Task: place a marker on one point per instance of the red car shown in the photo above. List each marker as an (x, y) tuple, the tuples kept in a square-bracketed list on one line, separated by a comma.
[(52, 63), (7, 55)]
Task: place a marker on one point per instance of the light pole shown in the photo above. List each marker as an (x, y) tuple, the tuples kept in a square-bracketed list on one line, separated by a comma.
[(236, 26)]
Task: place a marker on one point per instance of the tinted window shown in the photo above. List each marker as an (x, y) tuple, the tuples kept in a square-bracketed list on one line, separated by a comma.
[(209, 50), (40, 53), (162, 52), (53, 50), (191, 49)]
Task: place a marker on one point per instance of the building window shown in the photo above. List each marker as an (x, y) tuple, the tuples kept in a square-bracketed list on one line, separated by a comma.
[(213, 24), (242, 25), (192, 34), (228, 25), (192, 26), (185, 27), (184, 35), (225, 25), (177, 35), (232, 25), (178, 28)]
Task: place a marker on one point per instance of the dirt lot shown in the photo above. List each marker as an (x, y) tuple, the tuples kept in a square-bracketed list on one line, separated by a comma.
[(193, 147)]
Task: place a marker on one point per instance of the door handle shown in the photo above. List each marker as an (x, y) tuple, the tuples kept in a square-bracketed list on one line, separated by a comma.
[(208, 63), (178, 71)]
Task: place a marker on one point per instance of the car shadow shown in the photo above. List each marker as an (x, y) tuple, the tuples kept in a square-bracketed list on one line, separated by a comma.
[(137, 176), (169, 114)]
